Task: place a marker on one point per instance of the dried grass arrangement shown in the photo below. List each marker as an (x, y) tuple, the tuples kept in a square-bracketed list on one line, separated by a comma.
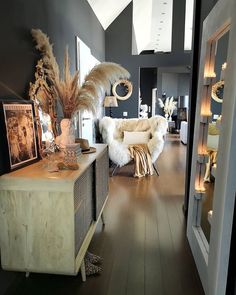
[(71, 96), (169, 106)]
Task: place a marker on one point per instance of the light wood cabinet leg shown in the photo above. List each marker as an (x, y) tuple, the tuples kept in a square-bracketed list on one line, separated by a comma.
[(82, 270)]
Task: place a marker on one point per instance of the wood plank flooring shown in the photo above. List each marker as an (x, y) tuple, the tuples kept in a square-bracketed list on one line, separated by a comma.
[(143, 245)]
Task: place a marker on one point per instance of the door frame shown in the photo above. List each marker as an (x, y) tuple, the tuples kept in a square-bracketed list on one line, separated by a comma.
[(212, 259)]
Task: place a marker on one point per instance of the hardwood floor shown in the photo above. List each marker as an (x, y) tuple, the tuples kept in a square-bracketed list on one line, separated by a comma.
[(143, 245)]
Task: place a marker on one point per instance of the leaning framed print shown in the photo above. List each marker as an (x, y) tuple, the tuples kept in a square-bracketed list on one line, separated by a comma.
[(182, 114), (19, 142)]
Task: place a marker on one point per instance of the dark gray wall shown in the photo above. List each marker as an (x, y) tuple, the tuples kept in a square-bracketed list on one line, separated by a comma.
[(148, 81), (175, 84), (60, 20), (183, 84), (170, 84), (119, 49)]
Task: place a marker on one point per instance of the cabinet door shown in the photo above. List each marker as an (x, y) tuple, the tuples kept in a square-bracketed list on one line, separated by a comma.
[(101, 184), (83, 203)]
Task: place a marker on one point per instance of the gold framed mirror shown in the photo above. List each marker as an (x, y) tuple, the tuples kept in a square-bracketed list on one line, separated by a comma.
[(42, 95)]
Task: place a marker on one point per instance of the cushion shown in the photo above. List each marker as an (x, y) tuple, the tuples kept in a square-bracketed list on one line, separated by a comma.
[(213, 130), (136, 137), (212, 142)]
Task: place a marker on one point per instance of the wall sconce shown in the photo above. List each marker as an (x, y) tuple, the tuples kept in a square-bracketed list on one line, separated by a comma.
[(202, 149), (199, 186), (199, 181), (209, 75), (205, 116), (202, 158), (199, 195), (208, 81)]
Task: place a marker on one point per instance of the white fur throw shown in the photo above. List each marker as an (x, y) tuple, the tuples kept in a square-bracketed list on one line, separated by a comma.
[(112, 131)]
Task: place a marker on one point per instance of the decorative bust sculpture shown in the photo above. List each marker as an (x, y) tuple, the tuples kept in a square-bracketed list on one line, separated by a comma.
[(67, 136)]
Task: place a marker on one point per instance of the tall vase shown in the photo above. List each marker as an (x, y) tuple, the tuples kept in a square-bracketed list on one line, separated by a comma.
[(67, 133)]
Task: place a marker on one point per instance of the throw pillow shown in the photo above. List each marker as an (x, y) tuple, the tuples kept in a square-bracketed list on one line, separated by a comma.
[(136, 137), (213, 130)]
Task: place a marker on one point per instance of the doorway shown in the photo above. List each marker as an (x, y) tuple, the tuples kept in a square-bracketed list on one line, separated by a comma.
[(163, 83)]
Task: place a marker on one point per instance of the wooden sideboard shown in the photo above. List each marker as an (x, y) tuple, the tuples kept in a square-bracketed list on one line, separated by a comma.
[(47, 220)]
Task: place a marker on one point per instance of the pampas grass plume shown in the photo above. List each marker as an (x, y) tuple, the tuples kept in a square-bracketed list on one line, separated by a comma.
[(73, 98)]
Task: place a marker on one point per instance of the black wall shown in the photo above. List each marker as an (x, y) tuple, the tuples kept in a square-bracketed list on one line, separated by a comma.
[(60, 20), (148, 81), (183, 84), (119, 49)]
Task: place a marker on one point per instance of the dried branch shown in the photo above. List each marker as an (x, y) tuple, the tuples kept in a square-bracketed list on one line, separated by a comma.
[(49, 61), (99, 81), (68, 88), (169, 106)]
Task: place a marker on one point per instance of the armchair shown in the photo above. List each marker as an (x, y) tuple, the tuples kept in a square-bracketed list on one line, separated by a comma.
[(112, 131)]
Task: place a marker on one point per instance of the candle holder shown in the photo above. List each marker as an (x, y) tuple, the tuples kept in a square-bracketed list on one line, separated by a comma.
[(199, 195), (205, 118), (202, 158)]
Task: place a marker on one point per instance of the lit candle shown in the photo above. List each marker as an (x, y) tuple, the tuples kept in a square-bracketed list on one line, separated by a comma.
[(209, 74)]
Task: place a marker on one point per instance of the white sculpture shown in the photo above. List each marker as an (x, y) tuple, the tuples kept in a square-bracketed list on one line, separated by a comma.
[(143, 111), (67, 135)]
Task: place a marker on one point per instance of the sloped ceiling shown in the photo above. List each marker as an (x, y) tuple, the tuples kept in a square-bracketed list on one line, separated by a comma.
[(108, 10), (152, 21)]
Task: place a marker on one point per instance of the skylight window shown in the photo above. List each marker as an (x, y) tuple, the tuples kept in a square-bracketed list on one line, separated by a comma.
[(188, 24), (152, 22)]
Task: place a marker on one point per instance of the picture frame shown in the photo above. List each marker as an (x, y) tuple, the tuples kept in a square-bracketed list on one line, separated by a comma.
[(182, 114), (19, 146)]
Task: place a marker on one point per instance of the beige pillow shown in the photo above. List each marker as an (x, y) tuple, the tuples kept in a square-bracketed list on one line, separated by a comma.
[(213, 130), (136, 137)]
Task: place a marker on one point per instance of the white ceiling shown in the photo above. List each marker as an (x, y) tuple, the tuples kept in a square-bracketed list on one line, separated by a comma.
[(142, 23), (152, 21), (108, 10)]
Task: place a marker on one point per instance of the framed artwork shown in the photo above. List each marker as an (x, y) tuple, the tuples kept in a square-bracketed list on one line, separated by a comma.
[(19, 141), (182, 114)]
